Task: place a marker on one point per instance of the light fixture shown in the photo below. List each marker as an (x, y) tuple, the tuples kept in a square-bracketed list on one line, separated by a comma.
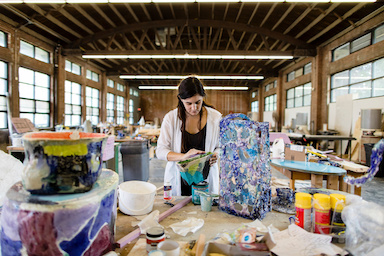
[(187, 56), (171, 87), (172, 77)]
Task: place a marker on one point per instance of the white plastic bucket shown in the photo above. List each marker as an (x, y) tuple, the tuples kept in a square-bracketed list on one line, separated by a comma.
[(136, 197)]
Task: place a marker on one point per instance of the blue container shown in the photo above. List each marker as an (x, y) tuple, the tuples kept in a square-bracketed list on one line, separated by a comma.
[(202, 186)]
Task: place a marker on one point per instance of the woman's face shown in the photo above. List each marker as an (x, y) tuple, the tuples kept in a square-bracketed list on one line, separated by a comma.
[(193, 104)]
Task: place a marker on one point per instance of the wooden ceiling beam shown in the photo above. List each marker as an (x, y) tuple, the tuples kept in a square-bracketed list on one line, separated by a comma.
[(192, 23)]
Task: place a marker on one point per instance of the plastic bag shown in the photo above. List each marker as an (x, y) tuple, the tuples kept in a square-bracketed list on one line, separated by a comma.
[(365, 226)]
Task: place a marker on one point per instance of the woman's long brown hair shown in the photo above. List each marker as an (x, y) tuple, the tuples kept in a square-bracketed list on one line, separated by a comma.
[(188, 88)]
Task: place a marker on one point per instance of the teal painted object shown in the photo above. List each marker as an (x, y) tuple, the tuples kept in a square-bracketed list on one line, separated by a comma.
[(308, 167)]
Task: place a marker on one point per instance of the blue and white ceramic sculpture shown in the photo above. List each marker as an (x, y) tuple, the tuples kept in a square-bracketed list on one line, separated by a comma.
[(245, 174)]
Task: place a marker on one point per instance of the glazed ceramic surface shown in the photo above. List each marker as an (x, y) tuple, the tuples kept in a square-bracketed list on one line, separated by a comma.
[(245, 173), (62, 162), (71, 224)]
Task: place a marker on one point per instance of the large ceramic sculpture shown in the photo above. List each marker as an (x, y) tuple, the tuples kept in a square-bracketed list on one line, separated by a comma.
[(71, 224), (245, 173)]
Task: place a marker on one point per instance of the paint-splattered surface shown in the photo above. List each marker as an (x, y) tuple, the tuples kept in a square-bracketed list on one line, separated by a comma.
[(61, 165), (73, 224), (245, 173)]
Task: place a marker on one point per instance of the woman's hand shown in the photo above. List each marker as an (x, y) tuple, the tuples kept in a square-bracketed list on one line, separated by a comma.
[(192, 152), (213, 159)]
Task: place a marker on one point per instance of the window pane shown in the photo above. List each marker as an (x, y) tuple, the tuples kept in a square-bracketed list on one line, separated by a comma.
[(3, 86), (89, 111), (76, 120), (307, 89), (88, 91), (340, 79), (361, 73), (362, 90), (68, 98), (341, 52), (291, 76), (308, 68), (76, 99), (95, 77), (290, 103), (378, 68), (88, 101), (95, 93), (28, 116), (41, 93), (42, 107), (42, 120), (378, 34), (76, 88), (42, 79), (89, 74), (3, 103), (337, 92), (3, 120), (41, 55), (68, 109), (68, 86), (26, 91), (26, 49), (307, 100), (68, 120), (95, 111), (361, 42), (26, 76), (3, 43), (76, 69), (68, 66), (27, 106), (3, 70), (291, 93), (298, 72), (76, 109), (299, 102), (378, 87), (298, 91), (95, 102)]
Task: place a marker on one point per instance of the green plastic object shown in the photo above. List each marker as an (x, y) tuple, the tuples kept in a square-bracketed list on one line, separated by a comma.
[(191, 170)]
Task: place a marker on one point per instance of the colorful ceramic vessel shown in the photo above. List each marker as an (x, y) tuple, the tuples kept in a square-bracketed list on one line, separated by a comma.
[(62, 162), (71, 224)]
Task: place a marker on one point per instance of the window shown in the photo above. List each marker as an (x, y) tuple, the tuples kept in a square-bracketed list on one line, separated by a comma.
[(110, 107), (120, 87), (291, 76), (341, 52), (255, 106), (120, 109), (378, 34), (92, 97), (3, 39), (72, 103), (131, 107), (270, 103), (72, 67), (364, 81), (3, 93), (34, 95), (34, 52), (361, 42), (110, 83), (308, 68), (299, 96), (255, 93), (270, 86), (130, 91), (135, 93), (92, 75)]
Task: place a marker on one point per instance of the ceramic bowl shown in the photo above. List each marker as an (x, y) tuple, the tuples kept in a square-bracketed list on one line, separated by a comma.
[(62, 162)]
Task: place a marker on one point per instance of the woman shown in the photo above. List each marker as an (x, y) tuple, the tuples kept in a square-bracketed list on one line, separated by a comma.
[(192, 128)]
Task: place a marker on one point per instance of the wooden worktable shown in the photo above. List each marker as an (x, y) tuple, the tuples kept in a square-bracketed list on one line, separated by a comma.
[(215, 222)]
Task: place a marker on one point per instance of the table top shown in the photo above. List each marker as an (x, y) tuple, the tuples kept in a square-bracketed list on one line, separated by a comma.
[(319, 137), (308, 167), (215, 222)]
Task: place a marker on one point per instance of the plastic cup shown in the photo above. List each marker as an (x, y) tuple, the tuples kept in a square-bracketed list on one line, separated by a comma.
[(206, 203)]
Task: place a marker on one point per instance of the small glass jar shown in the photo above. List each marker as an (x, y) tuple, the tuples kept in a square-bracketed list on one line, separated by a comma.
[(155, 235)]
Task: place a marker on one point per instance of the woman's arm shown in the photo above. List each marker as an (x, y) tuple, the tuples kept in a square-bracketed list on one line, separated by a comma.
[(173, 156)]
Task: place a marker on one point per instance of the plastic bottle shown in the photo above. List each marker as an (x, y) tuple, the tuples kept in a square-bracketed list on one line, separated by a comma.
[(337, 205), (303, 206), (322, 209), (167, 190)]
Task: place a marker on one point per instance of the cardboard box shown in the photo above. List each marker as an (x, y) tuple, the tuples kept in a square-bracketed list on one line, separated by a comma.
[(295, 152)]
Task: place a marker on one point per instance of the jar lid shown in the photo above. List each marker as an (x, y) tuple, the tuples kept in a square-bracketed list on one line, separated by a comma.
[(155, 232)]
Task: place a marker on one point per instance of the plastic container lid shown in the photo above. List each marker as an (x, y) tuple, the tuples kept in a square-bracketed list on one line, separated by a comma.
[(155, 232), (303, 200), (322, 201), (338, 199)]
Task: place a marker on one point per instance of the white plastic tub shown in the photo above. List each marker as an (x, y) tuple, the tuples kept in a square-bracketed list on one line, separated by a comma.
[(136, 197)]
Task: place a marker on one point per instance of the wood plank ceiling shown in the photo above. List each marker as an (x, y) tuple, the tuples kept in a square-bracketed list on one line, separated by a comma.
[(194, 28)]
